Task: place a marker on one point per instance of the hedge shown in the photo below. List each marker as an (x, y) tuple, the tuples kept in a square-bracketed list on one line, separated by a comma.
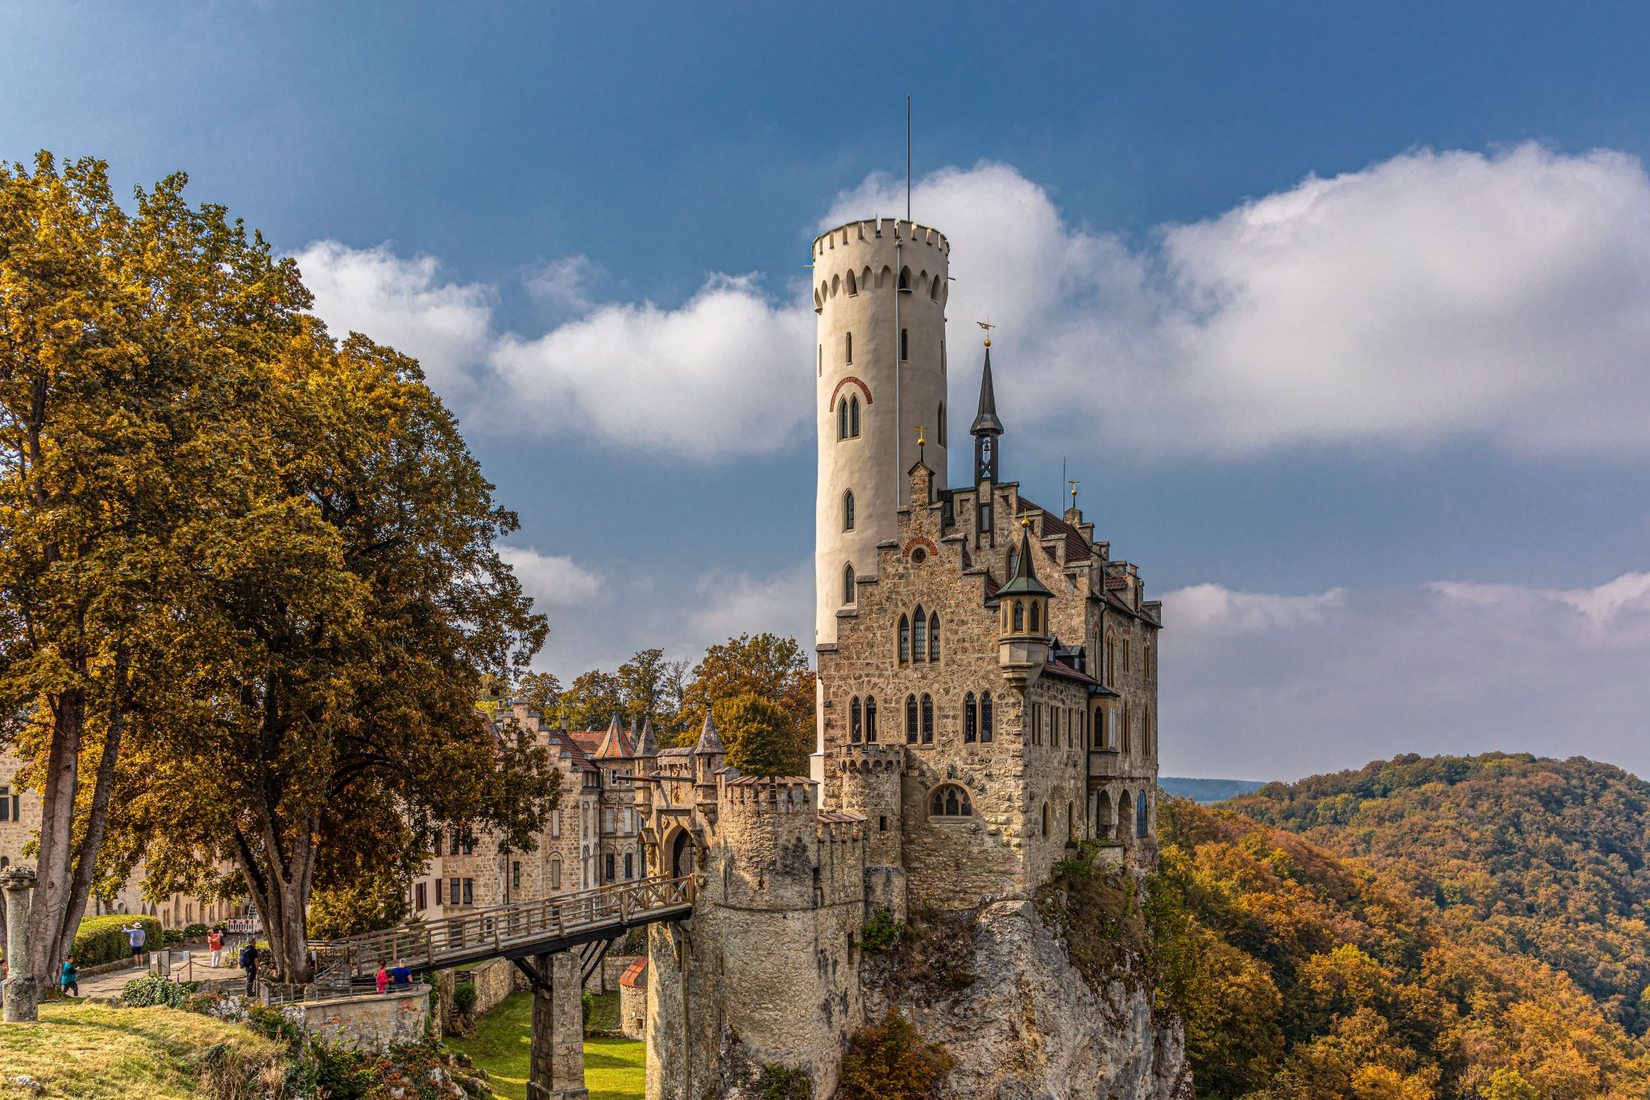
[(100, 939)]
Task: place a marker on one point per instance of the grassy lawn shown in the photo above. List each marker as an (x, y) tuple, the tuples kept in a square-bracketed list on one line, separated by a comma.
[(96, 1052), (614, 1069)]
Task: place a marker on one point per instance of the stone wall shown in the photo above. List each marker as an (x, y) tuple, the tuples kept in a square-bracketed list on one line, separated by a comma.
[(370, 1022)]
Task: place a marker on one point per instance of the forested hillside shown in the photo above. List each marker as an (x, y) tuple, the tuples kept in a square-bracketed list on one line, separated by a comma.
[(1526, 855), (1302, 975)]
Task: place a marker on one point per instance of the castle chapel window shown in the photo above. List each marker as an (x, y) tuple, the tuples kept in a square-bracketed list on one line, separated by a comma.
[(985, 716), (910, 719), (950, 800), (853, 720), (971, 719), (927, 719), (919, 644), (904, 640), (934, 636), (870, 719)]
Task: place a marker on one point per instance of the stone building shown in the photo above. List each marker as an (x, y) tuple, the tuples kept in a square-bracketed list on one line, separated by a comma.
[(987, 690), (20, 811), (592, 839)]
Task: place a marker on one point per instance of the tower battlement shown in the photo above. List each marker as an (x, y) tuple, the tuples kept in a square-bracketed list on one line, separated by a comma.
[(870, 759), (754, 794), (877, 229)]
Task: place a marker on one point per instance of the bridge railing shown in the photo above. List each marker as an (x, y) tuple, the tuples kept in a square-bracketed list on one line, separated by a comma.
[(495, 929)]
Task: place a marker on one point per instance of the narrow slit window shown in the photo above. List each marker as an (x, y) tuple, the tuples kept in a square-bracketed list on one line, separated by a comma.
[(985, 716), (848, 584), (910, 719), (849, 345), (971, 719), (904, 640), (934, 636), (848, 510), (870, 719), (904, 344), (928, 719)]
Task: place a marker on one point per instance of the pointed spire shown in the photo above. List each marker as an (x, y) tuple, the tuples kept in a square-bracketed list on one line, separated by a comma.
[(1024, 582), (710, 742), (986, 421), (612, 744), (648, 745)]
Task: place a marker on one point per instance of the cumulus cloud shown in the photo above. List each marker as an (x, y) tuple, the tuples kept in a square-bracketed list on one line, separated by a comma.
[(714, 377), (738, 603), (1504, 297), (403, 302), (553, 580), (1279, 686)]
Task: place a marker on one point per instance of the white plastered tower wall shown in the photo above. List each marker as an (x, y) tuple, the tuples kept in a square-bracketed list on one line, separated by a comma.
[(857, 271)]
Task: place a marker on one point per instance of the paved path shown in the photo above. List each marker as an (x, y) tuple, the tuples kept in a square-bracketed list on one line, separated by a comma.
[(110, 983)]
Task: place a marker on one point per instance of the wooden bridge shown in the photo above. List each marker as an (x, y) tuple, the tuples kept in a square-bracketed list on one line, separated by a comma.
[(540, 938), (514, 931)]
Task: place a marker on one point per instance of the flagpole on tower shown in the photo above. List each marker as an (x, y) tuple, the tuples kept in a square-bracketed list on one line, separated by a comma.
[(907, 158)]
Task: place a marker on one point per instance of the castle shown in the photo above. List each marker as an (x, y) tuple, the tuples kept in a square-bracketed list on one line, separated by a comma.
[(986, 701)]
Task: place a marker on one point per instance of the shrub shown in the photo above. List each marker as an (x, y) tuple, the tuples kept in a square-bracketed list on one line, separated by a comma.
[(171, 937), (155, 990), (272, 1024), (891, 1061), (784, 1083), (882, 931), (340, 1072), (587, 1005), (101, 939), (195, 932), (464, 1000)]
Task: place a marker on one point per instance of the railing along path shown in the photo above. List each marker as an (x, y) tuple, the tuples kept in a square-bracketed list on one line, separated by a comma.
[(542, 926)]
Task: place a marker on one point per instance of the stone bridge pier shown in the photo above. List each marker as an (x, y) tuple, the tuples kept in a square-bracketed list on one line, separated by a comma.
[(556, 1057)]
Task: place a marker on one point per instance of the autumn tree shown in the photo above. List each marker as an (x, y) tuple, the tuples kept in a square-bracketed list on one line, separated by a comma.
[(766, 665), (592, 700), (760, 736), (349, 618), (126, 346), (650, 690), (542, 691)]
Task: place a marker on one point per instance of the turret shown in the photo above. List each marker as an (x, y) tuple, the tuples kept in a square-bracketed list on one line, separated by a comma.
[(880, 289), (1022, 641)]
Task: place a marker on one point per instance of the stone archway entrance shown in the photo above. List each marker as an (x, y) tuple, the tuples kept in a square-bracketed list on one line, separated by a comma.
[(683, 854)]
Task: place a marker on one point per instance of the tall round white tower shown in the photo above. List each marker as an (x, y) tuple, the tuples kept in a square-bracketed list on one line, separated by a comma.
[(879, 290)]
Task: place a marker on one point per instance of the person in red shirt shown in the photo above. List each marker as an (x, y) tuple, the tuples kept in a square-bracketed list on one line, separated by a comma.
[(383, 978), (214, 944)]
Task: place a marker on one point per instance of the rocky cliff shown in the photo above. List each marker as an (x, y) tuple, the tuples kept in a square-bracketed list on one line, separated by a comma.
[(1034, 1001)]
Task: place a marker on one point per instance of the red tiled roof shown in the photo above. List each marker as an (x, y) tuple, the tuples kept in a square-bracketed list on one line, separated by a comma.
[(635, 975)]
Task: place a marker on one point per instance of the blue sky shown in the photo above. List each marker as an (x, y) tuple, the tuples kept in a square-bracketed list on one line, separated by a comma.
[(1340, 316)]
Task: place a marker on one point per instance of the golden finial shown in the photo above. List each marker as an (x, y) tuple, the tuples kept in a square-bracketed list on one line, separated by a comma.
[(988, 326), (1025, 521), (920, 440), (1073, 485)]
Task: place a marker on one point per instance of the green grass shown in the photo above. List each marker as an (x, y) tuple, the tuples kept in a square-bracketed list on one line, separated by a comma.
[(614, 1069), (96, 1052)]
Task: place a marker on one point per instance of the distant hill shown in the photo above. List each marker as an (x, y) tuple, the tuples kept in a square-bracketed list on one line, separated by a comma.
[(1208, 790), (1305, 975), (1549, 858)]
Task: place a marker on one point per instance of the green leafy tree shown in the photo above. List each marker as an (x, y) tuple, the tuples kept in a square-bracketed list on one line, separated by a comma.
[(592, 700), (650, 689), (350, 617), (128, 349), (766, 665), (542, 691), (760, 737)]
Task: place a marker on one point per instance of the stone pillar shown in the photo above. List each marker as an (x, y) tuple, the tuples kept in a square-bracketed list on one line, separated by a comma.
[(556, 1060), (21, 992)]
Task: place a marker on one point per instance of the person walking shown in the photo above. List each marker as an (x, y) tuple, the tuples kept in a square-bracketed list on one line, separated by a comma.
[(214, 944), (249, 963), (401, 974), (135, 936), (69, 980), (383, 977)]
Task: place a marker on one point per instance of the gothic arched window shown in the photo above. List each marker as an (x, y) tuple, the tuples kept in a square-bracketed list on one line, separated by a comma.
[(1019, 617), (1034, 624), (927, 719), (934, 636), (848, 510), (971, 718), (985, 716), (853, 417), (853, 720), (870, 719), (919, 644), (910, 719), (904, 639), (842, 419), (847, 584), (950, 800)]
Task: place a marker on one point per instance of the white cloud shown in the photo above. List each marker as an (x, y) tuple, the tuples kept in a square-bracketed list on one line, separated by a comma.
[(553, 580), (715, 377), (1434, 295), (1443, 667), (403, 303), (1212, 609), (563, 284), (732, 604)]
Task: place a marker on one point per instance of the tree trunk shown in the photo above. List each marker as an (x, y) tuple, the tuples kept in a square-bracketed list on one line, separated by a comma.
[(97, 818), (56, 832), (280, 888)]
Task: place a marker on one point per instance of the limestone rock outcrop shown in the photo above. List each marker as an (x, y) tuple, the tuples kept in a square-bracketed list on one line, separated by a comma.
[(1023, 1023)]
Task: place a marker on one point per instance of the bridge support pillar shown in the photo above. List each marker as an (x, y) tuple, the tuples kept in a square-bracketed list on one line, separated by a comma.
[(556, 1059)]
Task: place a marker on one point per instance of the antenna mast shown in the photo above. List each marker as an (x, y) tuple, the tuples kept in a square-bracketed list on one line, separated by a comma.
[(907, 158)]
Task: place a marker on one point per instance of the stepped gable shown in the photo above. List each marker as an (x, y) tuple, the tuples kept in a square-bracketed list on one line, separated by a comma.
[(1077, 547)]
